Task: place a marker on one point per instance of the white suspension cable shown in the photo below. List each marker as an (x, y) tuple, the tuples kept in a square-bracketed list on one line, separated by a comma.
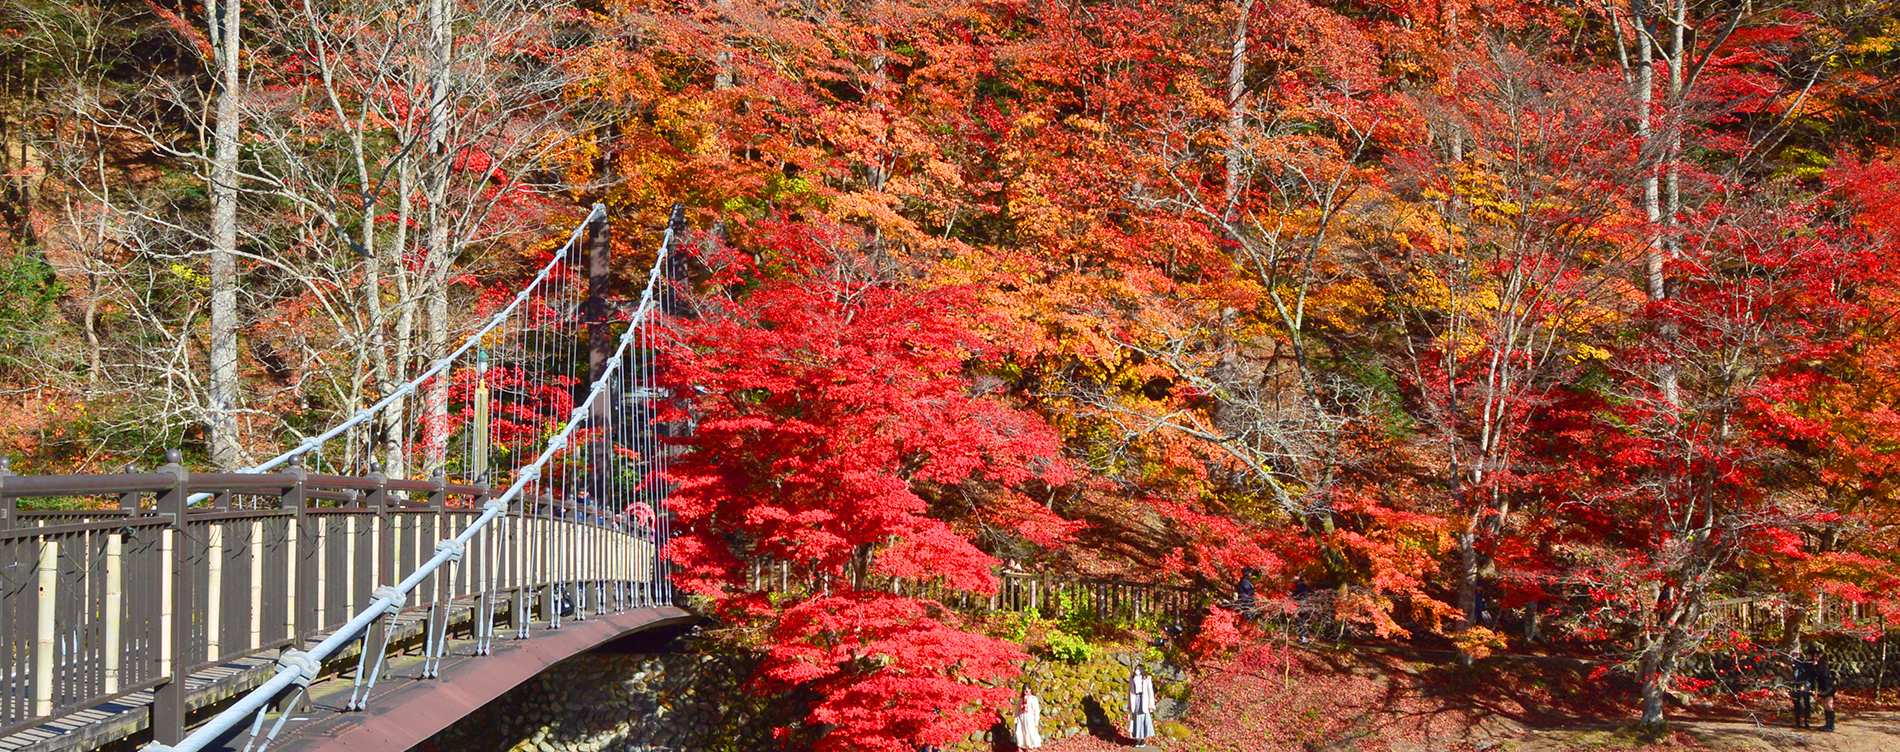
[(294, 666), (409, 387)]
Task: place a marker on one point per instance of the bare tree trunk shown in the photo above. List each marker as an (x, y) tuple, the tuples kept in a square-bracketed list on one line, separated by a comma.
[(1652, 685), (1645, 95), (440, 247), (396, 463), (1236, 113), (722, 61), (224, 392), (1468, 564)]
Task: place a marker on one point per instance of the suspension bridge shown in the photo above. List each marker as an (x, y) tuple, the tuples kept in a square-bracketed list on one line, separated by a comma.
[(495, 513)]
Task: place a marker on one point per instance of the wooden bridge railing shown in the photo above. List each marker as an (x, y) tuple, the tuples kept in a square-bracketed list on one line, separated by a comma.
[(98, 604), (1766, 614)]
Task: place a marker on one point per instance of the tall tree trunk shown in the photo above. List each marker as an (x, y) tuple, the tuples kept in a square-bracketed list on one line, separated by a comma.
[(1652, 685), (1236, 114), (223, 392), (396, 417), (440, 245), (1645, 95), (722, 60)]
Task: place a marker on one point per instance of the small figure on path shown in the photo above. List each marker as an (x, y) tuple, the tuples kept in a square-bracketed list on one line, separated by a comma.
[(1820, 678), (1028, 720), (1141, 705), (1802, 691), (1244, 594), (1301, 613)]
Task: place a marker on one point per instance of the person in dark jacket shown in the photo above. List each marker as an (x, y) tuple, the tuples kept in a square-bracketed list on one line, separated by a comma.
[(1813, 679), (1244, 594), (1822, 677), (1800, 691)]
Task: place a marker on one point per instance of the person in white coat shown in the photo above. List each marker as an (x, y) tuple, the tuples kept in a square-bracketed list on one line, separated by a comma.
[(1028, 720), (1141, 705)]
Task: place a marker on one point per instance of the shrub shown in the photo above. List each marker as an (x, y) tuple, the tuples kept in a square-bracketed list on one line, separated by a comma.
[(1069, 648)]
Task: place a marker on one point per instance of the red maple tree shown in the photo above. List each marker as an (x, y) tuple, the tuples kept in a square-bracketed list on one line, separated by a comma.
[(838, 434)]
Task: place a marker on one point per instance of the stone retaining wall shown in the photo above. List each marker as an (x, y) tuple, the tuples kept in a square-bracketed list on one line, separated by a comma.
[(1857, 663), (608, 702), (1089, 698), (680, 702)]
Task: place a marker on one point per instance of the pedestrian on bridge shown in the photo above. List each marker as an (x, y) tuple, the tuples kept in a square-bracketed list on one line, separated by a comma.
[(642, 514), (584, 510)]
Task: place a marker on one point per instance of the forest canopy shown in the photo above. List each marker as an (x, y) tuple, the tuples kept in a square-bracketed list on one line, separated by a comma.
[(1581, 310)]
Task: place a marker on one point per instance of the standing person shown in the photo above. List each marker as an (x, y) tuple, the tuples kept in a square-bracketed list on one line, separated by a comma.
[(642, 514), (1301, 614), (1822, 676), (584, 506), (1802, 691), (1141, 705), (1244, 594), (1028, 720)]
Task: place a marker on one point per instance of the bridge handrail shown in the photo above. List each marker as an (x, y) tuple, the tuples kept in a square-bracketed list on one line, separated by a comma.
[(293, 669)]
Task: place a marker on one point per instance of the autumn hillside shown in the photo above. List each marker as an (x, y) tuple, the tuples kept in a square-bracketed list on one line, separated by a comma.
[(1561, 320)]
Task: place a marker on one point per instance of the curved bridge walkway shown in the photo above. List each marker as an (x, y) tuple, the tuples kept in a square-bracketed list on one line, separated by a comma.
[(315, 601)]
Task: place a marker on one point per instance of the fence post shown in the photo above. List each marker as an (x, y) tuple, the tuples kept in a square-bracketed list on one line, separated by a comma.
[(129, 501), (438, 513), (168, 702), (383, 538), (7, 504), (301, 594)]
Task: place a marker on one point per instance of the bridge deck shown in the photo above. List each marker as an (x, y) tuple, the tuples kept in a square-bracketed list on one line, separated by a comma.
[(127, 716), (407, 710)]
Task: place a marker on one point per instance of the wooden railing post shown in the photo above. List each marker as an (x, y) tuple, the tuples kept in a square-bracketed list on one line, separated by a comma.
[(301, 608), (7, 505), (129, 502), (438, 514), (383, 538), (168, 703)]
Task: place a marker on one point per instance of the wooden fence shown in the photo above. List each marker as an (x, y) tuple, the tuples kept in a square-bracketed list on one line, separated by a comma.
[(1045, 594)]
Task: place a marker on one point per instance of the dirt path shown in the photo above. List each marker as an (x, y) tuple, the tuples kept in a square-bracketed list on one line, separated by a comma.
[(1865, 731), (1870, 731)]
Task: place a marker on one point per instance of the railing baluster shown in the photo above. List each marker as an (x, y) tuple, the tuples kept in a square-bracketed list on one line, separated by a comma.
[(47, 623), (168, 706), (115, 609), (214, 592)]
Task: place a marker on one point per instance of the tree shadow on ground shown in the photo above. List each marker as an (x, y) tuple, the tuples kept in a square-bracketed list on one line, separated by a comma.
[(1096, 717), (1002, 737)]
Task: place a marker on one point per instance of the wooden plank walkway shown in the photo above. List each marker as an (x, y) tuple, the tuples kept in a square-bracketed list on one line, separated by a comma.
[(124, 717)]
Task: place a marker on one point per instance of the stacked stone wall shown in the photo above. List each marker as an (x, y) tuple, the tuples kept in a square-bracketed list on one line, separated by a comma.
[(1858, 663), (611, 702)]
